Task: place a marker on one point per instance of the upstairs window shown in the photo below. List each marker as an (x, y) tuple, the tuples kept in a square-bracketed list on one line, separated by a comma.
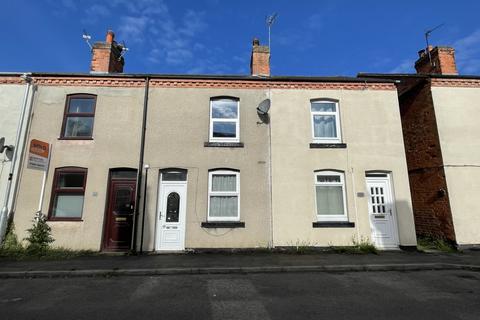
[(330, 196), (68, 193), (224, 120), (224, 195), (325, 121), (79, 116)]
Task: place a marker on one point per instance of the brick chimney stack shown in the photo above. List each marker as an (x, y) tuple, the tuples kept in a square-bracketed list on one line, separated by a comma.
[(442, 61), (260, 60), (106, 56)]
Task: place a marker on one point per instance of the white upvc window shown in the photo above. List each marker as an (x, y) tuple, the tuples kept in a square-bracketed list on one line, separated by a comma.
[(224, 120), (325, 121), (330, 200), (224, 195)]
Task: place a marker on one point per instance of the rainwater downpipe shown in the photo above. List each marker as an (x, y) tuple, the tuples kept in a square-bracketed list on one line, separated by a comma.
[(144, 206), (5, 213), (140, 166)]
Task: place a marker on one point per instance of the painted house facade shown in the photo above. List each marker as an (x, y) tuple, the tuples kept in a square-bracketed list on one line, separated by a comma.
[(169, 163), (439, 109), (15, 101)]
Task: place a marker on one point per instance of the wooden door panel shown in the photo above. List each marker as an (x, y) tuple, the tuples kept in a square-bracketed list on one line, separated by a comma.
[(119, 223)]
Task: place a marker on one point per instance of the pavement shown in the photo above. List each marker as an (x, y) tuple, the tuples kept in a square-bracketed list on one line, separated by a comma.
[(104, 265)]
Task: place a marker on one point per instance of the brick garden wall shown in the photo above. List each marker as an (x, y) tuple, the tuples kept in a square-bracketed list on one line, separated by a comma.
[(425, 164)]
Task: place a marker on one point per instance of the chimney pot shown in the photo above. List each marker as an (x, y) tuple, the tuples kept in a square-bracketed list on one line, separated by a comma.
[(110, 36), (256, 42)]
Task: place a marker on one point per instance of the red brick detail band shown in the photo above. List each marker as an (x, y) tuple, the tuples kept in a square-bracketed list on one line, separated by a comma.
[(198, 83), (89, 82), (11, 80), (464, 83), (253, 84)]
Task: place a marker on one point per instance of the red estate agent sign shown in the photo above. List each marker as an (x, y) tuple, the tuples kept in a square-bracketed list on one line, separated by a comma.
[(38, 155)]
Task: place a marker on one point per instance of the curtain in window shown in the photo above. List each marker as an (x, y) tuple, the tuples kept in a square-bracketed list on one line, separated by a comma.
[(68, 206), (224, 183), (324, 126), (329, 200), (225, 206)]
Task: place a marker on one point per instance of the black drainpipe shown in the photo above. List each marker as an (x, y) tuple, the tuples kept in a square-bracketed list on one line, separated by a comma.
[(140, 166)]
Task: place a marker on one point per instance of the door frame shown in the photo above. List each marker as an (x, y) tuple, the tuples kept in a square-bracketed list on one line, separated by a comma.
[(387, 177), (161, 184), (103, 240)]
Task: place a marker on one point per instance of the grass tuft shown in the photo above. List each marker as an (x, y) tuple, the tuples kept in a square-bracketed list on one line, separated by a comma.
[(432, 243), (364, 246)]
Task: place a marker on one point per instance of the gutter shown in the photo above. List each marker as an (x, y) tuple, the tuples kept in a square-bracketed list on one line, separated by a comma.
[(140, 167), (6, 211)]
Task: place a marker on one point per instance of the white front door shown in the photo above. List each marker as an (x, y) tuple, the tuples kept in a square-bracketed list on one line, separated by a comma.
[(170, 233), (381, 211)]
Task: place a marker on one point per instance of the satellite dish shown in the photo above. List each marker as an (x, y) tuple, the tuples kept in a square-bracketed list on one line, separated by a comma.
[(263, 107), (2, 144)]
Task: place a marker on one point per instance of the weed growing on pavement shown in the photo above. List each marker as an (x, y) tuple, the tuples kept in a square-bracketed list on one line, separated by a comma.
[(432, 243), (40, 235), (358, 247)]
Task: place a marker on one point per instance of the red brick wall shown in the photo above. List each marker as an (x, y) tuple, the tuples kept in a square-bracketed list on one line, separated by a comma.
[(260, 59), (443, 61), (431, 205), (106, 58)]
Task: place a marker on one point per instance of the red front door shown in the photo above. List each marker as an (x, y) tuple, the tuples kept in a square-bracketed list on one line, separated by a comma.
[(119, 219)]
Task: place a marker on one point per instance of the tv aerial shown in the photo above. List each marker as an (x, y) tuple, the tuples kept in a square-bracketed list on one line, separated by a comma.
[(269, 21), (87, 39), (124, 50), (427, 36)]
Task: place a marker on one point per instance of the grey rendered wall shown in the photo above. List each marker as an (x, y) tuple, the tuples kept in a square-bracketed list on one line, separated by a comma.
[(371, 128), (457, 111), (116, 140), (177, 128)]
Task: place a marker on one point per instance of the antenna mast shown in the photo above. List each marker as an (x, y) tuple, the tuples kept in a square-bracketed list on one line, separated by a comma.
[(87, 38), (270, 20), (427, 35)]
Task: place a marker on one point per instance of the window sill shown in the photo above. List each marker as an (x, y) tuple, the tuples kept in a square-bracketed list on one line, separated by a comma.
[(223, 224), (65, 219), (224, 144), (316, 145), (333, 224), (69, 138)]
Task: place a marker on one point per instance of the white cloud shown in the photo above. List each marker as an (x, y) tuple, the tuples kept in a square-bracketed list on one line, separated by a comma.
[(95, 13), (406, 66), (162, 39), (193, 23), (69, 4), (133, 28), (315, 21), (178, 56), (467, 51)]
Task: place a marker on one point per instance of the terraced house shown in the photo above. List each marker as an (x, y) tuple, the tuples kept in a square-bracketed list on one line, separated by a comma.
[(439, 111), (173, 162)]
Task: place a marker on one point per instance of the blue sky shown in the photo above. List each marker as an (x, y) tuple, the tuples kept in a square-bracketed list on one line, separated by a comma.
[(317, 38)]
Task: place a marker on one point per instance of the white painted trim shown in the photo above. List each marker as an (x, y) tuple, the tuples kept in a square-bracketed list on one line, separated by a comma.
[(338, 138), (339, 218), (161, 186), (220, 193), (389, 181), (236, 120)]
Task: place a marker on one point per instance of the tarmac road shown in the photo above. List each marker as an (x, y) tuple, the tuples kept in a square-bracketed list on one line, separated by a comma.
[(359, 295)]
